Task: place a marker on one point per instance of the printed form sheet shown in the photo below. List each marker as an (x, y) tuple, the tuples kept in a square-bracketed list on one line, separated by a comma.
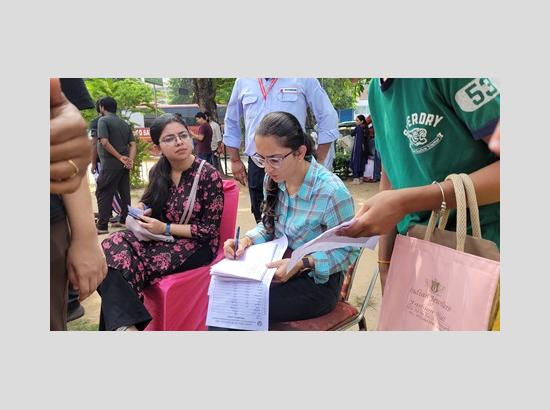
[(244, 304)]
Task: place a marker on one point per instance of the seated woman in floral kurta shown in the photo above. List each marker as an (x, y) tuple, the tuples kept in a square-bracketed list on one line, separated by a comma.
[(134, 264)]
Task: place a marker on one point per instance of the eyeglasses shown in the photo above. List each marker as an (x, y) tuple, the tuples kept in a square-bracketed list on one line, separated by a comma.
[(171, 139), (274, 161)]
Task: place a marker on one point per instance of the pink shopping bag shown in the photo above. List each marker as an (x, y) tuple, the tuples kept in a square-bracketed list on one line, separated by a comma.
[(432, 287), (435, 287)]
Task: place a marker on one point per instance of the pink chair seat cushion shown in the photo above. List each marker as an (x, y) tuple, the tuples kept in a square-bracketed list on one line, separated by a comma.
[(341, 313)]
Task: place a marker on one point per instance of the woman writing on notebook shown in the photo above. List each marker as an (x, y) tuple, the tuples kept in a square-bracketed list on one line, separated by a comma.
[(302, 199), (134, 264)]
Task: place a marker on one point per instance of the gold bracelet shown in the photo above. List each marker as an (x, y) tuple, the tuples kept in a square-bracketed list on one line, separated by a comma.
[(384, 262)]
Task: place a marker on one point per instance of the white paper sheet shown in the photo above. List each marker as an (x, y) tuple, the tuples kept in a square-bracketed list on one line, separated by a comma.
[(328, 240), (251, 265), (243, 304)]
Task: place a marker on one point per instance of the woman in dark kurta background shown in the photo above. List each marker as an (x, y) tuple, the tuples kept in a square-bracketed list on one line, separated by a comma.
[(359, 151), (133, 264)]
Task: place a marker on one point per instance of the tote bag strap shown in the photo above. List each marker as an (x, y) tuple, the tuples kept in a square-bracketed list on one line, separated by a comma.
[(472, 205), (460, 195), (191, 201)]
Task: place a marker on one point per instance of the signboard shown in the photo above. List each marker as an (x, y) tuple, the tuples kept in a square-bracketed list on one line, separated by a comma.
[(156, 81), (143, 133)]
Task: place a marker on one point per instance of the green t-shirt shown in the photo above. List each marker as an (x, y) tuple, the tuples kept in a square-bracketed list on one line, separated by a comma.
[(428, 128)]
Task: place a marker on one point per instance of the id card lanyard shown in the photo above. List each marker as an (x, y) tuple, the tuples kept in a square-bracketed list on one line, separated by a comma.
[(270, 86)]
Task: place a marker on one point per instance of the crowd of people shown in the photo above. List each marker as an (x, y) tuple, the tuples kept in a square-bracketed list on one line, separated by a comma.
[(420, 130)]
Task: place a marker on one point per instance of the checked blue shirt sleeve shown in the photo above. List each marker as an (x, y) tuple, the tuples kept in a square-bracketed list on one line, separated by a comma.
[(259, 234), (339, 209)]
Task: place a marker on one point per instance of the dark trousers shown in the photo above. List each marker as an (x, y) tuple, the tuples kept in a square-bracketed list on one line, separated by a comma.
[(59, 243), (207, 156), (256, 188), (73, 301), (121, 305), (301, 298), (217, 164), (377, 166), (109, 182)]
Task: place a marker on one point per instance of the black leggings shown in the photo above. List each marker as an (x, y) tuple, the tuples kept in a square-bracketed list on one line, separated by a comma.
[(120, 304)]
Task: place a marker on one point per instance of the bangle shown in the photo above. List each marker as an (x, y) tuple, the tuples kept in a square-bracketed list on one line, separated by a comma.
[(443, 206), (384, 262), (167, 229)]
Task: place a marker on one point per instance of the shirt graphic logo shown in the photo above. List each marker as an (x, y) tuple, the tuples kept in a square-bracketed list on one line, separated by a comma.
[(419, 137)]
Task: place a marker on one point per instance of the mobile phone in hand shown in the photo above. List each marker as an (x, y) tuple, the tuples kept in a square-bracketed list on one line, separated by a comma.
[(135, 213)]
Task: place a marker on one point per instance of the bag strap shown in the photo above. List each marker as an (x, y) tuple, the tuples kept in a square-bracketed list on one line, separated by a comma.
[(472, 204), (191, 200), (460, 195)]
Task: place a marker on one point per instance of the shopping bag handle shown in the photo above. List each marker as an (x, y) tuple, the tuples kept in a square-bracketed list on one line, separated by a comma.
[(472, 205), (460, 195)]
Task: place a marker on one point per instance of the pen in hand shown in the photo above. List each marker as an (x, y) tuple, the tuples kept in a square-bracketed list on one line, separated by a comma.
[(236, 244)]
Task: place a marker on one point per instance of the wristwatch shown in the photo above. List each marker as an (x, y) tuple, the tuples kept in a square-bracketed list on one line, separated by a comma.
[(305, 262)]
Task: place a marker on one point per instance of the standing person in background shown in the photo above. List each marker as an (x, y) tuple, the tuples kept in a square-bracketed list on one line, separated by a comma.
[(359, 150), (216, 141), (75, 256), (203, 138), (252, 99), (372, 151), (96, 166), (117, 150)]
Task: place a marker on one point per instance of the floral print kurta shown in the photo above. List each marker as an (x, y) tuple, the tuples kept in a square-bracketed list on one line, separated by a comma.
[(142, 263)]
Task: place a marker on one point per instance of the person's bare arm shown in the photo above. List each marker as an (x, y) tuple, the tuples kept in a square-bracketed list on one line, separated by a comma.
[(86, 264), (381, 213), (68, 142), (95, 157), (198, 137), (237, 167), (322, 152)]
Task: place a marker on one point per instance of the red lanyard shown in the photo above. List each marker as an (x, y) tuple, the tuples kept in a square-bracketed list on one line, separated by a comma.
[(271, 84)]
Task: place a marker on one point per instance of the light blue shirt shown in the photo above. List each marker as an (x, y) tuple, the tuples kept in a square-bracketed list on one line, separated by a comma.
[(321, 203), (291, 95)]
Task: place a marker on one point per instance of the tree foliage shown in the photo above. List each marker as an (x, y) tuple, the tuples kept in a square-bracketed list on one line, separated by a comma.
[(343, 92), (129, 93), (181, 91)]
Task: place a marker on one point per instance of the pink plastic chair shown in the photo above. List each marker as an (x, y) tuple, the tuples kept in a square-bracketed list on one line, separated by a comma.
[(180, 301)]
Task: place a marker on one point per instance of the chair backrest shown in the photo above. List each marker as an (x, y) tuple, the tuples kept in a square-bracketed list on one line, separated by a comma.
[(229, 213), (348, 279)]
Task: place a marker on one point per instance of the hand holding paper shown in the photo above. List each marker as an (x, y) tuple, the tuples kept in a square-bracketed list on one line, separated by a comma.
[(331, 239)]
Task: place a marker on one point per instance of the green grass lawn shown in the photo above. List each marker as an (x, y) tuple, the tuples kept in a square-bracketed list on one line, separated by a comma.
[(82, 324)]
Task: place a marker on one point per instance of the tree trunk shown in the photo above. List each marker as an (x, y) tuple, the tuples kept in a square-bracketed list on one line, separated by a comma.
[(205, 96)]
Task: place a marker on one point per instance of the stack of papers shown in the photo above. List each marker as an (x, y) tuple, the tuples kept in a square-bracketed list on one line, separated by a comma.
[(238, 296), (251, 265)]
